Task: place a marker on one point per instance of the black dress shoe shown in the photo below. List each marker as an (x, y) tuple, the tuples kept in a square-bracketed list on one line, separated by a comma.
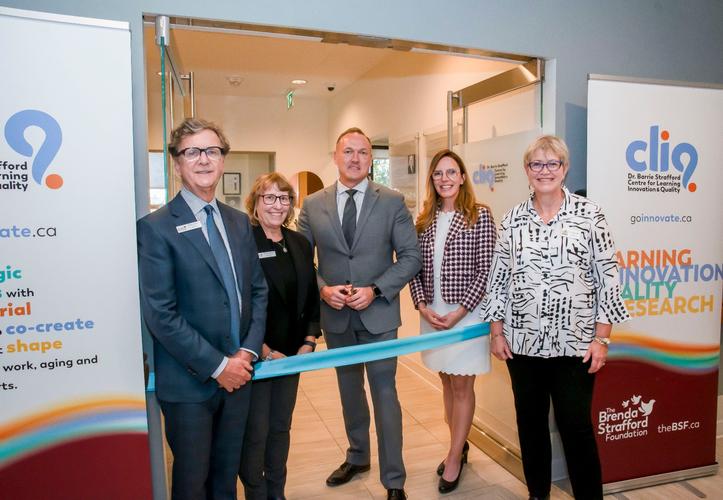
[(465, 449), (396, 494), (345, 473), (448, 486), (532, 497)]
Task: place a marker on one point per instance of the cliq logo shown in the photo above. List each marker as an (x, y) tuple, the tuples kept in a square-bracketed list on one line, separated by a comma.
[(484, 175), (660, 157), (15, 129)]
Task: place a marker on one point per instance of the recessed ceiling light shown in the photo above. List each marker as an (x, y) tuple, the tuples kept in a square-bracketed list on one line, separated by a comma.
[(298, 81)]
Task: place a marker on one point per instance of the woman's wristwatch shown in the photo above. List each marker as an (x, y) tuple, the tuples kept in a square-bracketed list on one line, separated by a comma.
[(311, 344), (602, 340)]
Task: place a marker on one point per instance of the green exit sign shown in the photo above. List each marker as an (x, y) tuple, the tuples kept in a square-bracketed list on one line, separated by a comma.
[(290, 99)]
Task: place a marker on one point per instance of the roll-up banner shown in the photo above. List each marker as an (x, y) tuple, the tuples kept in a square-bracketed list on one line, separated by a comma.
[(654, 165), (72, 413)]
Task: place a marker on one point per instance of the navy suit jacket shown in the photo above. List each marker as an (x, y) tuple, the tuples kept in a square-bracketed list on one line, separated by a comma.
[(184, 302)]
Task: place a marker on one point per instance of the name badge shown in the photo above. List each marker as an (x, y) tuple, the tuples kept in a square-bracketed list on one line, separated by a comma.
[(572, 233), (188, 227), (266, 255)]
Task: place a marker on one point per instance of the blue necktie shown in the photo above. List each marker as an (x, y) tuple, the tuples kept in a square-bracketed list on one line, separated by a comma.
[(224, 265)]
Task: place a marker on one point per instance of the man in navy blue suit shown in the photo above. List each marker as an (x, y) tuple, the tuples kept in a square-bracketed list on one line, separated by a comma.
[(203, 295)]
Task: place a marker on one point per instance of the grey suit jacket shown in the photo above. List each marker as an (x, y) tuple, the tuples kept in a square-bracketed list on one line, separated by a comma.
[(384, 231), (184, 302)]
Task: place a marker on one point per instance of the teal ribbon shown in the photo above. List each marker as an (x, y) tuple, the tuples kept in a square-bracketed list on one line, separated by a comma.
[(344, 356)]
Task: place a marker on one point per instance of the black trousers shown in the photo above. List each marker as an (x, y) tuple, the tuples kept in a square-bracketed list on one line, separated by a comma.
[(206, 440), (565, 381), (267, 438)]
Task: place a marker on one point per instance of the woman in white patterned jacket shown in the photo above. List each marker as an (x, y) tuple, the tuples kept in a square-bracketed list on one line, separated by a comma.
[(552, 296), (456, 238)]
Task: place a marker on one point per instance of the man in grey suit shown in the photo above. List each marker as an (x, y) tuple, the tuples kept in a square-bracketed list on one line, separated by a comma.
[(358, 227), (203, 295)]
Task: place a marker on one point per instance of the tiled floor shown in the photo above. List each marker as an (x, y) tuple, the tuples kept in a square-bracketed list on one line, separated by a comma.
[(318, 444)]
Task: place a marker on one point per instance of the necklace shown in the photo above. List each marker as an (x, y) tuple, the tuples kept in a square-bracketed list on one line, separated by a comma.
[(281, 243)]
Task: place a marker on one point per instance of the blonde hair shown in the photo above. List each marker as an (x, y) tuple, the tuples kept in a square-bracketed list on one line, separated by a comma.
[(261, 184), (548, 143), (465, 203)]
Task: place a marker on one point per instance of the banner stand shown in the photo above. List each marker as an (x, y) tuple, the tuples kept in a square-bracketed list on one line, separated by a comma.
[(73, 420), (668, 477), (653, 165)]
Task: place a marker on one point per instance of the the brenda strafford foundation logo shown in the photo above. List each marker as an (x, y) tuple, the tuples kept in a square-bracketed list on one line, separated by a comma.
[(628, 421), (14, 171)]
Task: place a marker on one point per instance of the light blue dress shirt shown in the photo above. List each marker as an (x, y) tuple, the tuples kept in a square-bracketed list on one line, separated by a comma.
[(196, 205)]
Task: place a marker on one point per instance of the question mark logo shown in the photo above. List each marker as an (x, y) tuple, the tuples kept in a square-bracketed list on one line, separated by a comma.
[(15, 136)]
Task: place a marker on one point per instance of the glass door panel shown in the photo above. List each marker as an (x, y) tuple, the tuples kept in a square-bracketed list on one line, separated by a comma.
[(176, 104)]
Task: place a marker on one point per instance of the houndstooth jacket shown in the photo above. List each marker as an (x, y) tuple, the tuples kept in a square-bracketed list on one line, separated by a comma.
[(465, 265)]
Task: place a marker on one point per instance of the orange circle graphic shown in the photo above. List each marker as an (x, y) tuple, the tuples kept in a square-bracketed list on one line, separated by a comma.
[(665, 135), (692, 187), (54, 181)]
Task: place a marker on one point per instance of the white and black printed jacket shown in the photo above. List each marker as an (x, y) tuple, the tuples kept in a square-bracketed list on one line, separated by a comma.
[(465, 264), (550, 283)]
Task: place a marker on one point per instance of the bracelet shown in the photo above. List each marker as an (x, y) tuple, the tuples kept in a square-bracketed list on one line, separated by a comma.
[(494, 336), (311, 344), (602, 340), (270, 355)]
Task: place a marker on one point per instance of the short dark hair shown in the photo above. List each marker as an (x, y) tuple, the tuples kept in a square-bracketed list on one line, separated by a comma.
[(191, 126), (353, 130)]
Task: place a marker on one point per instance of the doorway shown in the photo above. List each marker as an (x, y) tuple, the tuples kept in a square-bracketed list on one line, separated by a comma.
[(289, 93)]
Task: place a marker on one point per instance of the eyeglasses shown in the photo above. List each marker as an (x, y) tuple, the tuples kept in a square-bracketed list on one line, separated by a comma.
[(270, 199), (552, 165), (452, 174), (213, 153)]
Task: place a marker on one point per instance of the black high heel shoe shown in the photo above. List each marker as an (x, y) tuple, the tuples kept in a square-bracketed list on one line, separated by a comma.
[(465, 450), (449, 486)]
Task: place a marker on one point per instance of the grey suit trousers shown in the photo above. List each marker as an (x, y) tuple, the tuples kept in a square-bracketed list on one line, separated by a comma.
[(387, 411)]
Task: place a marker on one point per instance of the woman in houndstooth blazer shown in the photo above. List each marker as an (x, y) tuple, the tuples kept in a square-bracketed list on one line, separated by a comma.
[(456, 237)]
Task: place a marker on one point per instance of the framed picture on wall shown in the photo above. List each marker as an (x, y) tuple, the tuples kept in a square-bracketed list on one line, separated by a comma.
[(411, 164), (232, 183)]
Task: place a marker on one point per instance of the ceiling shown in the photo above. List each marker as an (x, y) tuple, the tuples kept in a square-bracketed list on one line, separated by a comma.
[(267, 64)]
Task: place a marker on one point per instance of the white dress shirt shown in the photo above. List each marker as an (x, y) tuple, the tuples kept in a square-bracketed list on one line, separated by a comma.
[(341, 197)]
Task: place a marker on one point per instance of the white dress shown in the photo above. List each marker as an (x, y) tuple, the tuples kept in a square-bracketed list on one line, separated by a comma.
[(471, 357)]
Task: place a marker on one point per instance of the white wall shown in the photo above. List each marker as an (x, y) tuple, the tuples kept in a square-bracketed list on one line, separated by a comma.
[(405, 94), (297, 136)]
